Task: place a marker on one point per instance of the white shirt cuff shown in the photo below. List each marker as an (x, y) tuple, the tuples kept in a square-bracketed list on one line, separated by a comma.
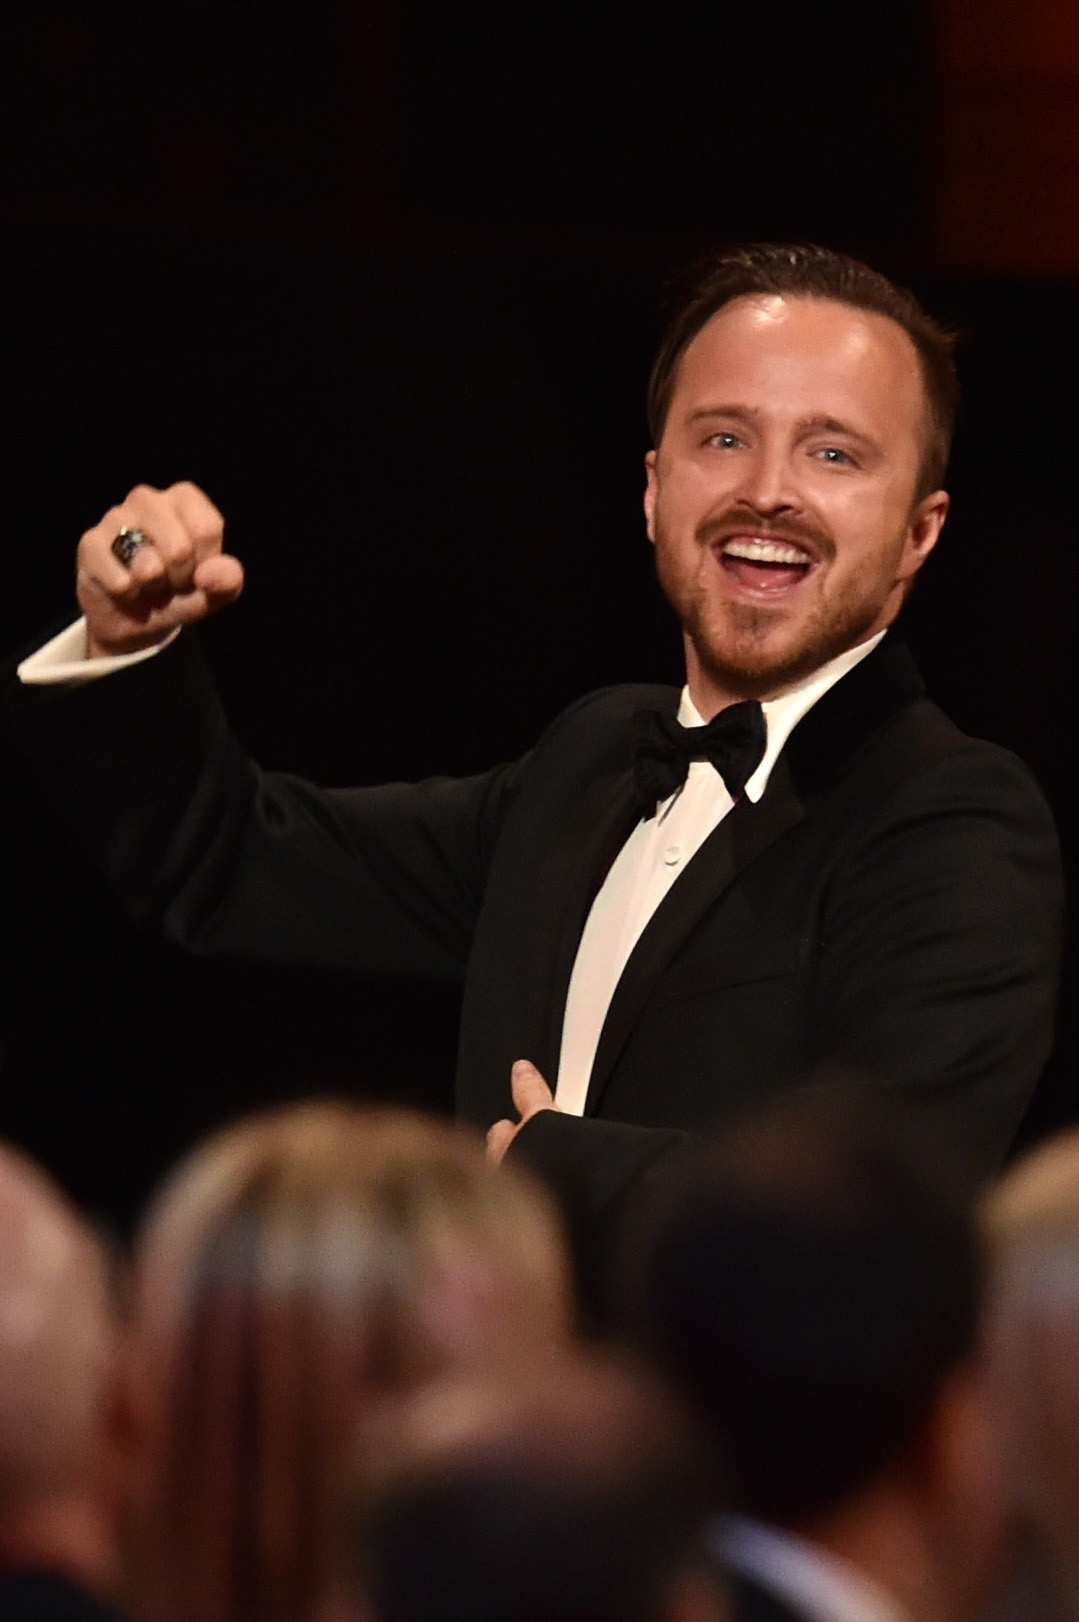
[(63, 659)]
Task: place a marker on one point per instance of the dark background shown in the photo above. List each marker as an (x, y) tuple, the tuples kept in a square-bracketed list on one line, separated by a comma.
[(385, 279)]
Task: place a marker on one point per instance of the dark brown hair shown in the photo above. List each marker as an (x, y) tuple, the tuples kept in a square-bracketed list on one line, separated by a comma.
[(810, 1285), (570, 1490), (802, 270)]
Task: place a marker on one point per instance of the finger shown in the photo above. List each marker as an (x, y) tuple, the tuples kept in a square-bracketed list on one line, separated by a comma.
[(151, 620), (221, 577), (199, 516), (156, 514), (170, 554), (147, 568), (186, 607), (96, 561), (530, 1091), (499, 1138)]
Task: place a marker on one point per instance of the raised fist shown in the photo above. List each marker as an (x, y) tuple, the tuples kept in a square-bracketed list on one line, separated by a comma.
[(154, 562)]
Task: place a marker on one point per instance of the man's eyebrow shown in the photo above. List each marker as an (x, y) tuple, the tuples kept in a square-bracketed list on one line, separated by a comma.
[(740, 413), (831, 425)]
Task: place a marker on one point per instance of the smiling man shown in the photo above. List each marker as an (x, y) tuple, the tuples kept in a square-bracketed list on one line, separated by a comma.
[(798, 870), (793, 494)]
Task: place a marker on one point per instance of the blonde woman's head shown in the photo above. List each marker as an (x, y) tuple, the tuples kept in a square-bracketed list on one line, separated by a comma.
[(295, 1270)]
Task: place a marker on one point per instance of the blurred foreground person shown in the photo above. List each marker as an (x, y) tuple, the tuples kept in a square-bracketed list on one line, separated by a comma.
[(57, 1341), (296, 1268), (1032, 1219), (576, 1492), (815, 1290)]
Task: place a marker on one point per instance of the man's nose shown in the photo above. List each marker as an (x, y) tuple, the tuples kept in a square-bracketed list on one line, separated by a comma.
[(768, 483)]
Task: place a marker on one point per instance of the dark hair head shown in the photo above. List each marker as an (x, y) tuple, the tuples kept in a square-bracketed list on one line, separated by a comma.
[(810, 1285), (803, 270), (575, 1492)]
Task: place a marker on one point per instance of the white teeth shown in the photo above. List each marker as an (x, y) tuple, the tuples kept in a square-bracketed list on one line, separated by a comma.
[(758, 550)]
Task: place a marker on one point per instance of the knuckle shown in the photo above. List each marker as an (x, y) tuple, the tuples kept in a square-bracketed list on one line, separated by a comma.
[(101, 533), (172, 545), (195, 501)]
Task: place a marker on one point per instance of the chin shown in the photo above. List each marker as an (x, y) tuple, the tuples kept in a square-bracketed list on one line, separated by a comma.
[(755, 666), (757, 678)]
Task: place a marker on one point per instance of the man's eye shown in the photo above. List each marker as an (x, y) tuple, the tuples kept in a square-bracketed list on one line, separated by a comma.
[(724, 440), (838, 458)]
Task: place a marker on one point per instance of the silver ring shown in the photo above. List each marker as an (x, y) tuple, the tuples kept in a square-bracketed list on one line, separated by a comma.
[(127, 543)]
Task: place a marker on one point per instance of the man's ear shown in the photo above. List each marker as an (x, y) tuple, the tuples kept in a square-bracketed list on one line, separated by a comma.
[(927, 521), (650, 496)]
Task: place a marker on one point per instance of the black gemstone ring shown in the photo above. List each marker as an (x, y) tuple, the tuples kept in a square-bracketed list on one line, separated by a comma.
[(127, 543)]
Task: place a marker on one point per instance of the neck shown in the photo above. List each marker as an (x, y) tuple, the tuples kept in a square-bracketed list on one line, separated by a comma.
[(65, 1534)]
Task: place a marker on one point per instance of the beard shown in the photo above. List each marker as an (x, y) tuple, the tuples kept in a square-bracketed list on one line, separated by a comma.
[(755, 651)]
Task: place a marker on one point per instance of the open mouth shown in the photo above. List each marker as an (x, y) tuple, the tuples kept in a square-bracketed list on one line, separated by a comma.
[(763, 564)]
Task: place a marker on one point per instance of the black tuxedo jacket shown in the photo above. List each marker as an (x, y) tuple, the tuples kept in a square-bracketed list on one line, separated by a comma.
[(891, 908)]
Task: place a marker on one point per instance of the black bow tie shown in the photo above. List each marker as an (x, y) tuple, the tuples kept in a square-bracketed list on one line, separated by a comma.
[(734, 742)]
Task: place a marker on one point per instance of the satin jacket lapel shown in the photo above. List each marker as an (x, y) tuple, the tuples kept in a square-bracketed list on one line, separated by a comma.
[(744, 832), (815, 752)]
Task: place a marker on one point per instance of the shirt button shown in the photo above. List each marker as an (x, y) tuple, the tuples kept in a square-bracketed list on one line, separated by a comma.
[(672, 855)]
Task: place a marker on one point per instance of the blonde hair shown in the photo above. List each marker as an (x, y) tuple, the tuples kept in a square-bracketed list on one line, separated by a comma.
[(297, 1268), (1031, 1218)]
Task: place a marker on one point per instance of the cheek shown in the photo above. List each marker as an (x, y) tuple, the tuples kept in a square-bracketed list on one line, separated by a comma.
[(892, 499), (691, 484), (871, 526), (680, 504)]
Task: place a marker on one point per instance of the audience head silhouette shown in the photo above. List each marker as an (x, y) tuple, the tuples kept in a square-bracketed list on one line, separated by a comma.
[(575, 1492), (814, 1287), (57, 1342)]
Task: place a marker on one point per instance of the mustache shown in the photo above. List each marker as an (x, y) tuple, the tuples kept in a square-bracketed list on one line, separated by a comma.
[(798, 531)]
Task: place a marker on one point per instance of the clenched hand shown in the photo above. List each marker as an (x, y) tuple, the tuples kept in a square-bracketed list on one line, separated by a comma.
[(180, 577)]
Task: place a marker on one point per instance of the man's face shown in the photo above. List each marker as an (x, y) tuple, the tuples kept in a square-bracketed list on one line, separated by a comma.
[(780, 500)]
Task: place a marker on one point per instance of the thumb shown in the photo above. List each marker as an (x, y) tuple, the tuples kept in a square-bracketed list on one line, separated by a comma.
[(530, 1091), (221, 577)]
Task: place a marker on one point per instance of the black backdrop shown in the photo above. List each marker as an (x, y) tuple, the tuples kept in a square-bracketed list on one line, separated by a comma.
[(398, 325)]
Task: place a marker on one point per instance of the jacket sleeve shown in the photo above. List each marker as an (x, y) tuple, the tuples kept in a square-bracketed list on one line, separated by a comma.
[(228, 858)]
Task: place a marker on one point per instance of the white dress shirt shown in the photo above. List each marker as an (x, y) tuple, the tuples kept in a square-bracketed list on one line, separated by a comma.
[(819, 1585), (63, 659), (656, 853)]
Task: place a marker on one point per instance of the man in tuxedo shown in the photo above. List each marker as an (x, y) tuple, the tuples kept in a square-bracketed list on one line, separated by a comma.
[(814, 1288), (675, 905)]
